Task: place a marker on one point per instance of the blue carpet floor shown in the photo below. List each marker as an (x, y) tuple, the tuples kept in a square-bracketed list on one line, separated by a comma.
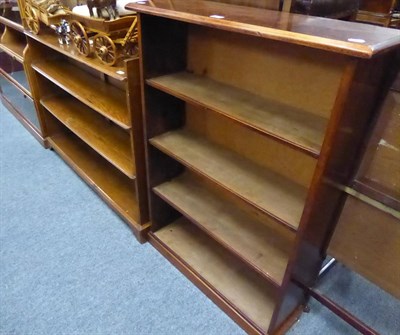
[(369, 303), (69, 265)]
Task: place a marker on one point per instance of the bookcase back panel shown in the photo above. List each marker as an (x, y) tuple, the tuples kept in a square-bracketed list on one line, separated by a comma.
[(260, 149), (294, 75)]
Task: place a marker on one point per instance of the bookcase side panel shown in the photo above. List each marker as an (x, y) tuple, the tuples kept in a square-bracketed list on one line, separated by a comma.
[(364, 84)]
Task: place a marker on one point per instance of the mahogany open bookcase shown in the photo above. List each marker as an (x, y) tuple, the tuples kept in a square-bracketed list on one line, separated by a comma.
[(252, 119), (226, 144)]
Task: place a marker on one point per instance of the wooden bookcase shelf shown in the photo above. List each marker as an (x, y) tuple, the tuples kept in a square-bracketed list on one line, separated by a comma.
[(105, 138), (92, 116), (110, 184), (250, 124), (217, 272), (95, 93), (302, 130), (265, 246), (48, 38), (13, 42), (268, 192)]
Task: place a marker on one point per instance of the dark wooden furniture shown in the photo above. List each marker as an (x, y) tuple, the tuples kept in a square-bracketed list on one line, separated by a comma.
[(92, 118), (15, 73), (378, 12), (252, 117), (366, 238), (335, 9), (266, 4)]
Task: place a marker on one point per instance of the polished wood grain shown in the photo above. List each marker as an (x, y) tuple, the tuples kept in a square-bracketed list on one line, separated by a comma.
[(91, 114), (107, 139), (367, 240), (264, 246), (102, 97), (108, 182), (304, 62), (269, 192), (34, 87), (117, 190), (298, 128), (134, 99), (321, 33), (13, 42), (223, 274), (337, 163), (49, 39)]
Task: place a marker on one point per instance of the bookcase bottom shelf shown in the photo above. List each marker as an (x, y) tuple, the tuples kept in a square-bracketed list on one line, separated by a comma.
[(112, 186), (243, 294), (265, 246)]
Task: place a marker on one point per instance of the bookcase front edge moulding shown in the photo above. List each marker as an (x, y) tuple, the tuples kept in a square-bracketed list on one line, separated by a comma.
[(252, 117), (17, 91), (90, 114)]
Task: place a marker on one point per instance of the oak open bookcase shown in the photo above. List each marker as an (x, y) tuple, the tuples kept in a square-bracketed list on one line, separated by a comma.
[(92, 118), (252, 117), (15, 72)]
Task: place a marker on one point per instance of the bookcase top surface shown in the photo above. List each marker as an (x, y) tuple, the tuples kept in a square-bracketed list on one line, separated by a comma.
[(350, 38), (49, 39)]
